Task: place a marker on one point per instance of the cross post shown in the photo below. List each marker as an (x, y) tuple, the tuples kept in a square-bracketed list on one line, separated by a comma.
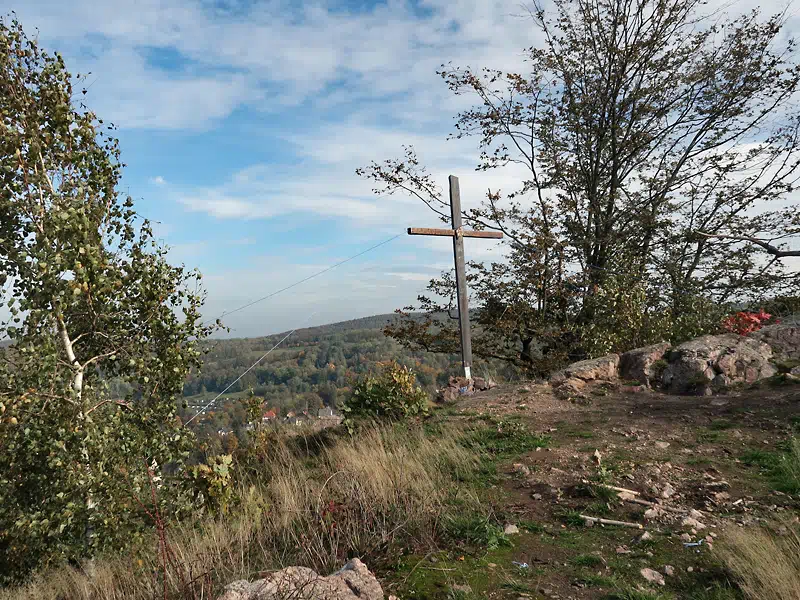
[(458, 233)]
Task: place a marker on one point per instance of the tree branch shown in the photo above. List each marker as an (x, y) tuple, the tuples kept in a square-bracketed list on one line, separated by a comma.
[(770, 249)]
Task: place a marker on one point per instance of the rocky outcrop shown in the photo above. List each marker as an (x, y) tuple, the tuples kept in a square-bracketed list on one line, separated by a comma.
[(783, 338), (461, 386), (604, 368), (641, 364), (353, 582), (716, 361)]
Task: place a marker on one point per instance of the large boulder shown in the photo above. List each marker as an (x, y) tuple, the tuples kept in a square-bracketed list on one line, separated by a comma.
[(700, 365), (353, 582), (605, 368), (783, 338), (640, 364)]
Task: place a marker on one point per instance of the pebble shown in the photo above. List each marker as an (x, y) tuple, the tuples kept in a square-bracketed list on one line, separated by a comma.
[(693, 523), (662, 445), (690, 569), (645, 537), (511, 529), (651, 513), (667, 491), (669, 570), (685, 537), (652, 576)]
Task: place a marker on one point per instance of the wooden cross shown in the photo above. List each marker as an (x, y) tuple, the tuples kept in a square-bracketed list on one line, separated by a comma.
[(458, 234)]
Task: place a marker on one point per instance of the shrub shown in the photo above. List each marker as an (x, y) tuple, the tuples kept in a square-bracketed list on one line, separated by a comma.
[(392, 395)]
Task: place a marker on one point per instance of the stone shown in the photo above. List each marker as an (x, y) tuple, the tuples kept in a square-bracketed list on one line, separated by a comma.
[(662, 445), (783, 338), (652, 576), (521, 469), (462, 588), (511, 529), (639, 364), (572, 387), (646, 537), (352, 582), (695, 364), (605, 368), (652, 513), (693, 523), (669, 570), (668, 491)]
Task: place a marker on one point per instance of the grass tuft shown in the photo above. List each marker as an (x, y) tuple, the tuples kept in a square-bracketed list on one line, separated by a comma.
[(766, 567)]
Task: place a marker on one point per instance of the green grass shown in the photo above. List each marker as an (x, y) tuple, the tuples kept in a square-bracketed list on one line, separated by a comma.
[(532, 527), (586, 560), (571, 517), (476, 530), (634, 594), (720, 425), (505, 439), (781, 467)]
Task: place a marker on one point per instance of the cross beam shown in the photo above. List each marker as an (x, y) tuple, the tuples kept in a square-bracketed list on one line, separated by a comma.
[(458, 233)]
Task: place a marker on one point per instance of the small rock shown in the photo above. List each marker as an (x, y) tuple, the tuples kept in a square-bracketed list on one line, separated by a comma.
[(623, 550), (652, 513), (462, 588), (690, 569), (652, 576), (696, 514), (536, 496), (645, 537), (668, 491), (492, 565), (662, 445), (685, 537), (521, 469), (669, 570), (511, 529), (693, 523)]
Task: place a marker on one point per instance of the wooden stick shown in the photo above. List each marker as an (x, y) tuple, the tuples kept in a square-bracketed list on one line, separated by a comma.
[(622, 497), (611, 487), (611, 522)]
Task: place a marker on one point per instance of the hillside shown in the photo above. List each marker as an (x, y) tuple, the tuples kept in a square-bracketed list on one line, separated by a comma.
[(484, 500), (314, 367)]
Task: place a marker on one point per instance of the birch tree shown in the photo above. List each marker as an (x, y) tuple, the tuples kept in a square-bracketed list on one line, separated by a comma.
[(91, 298)]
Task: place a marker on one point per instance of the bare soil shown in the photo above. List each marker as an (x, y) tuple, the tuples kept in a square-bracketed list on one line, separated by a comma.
[(687, 456)]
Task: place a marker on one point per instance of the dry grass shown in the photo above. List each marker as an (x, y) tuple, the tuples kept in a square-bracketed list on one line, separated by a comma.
[(766, 567), (363, 496)]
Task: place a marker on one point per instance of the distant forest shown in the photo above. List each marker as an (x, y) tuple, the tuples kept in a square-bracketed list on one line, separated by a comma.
[(315, 367)]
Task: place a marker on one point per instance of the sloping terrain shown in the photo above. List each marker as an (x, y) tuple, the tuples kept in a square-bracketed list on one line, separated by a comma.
[(699, 465)]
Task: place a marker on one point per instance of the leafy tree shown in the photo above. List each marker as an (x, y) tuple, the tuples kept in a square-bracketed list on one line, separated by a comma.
[(657, 143), (92, 299)]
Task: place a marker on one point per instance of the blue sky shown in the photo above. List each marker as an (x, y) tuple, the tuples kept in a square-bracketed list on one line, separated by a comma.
[(242, 123)]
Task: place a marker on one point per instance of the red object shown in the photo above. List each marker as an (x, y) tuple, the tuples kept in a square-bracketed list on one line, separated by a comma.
[(744, 323), (270, 414)]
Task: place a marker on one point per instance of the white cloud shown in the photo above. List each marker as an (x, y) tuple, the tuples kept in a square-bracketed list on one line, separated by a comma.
[(158, 180)]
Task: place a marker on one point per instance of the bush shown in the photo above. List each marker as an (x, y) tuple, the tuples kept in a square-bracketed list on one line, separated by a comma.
[(744, 322), (390, 395)]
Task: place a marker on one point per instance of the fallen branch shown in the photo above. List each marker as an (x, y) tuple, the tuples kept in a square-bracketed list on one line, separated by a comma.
[(625, 497), (611, 522), (611, 487)]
